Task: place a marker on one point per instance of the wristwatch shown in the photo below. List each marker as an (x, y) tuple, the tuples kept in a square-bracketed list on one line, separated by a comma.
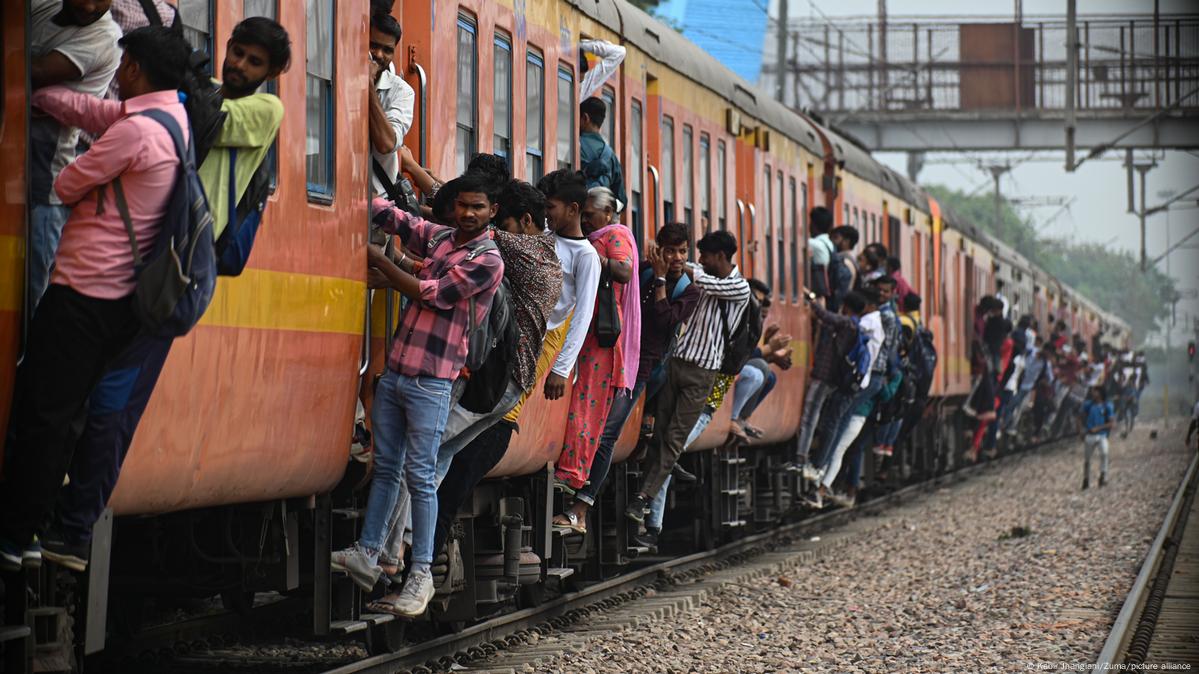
[(661, 280)]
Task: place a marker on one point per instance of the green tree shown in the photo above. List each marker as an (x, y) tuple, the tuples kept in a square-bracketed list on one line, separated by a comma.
[(1111, 279)]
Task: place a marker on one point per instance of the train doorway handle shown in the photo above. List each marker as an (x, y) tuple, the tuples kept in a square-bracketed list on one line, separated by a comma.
[(389, 311), (750, 246), (422, 97), (740, 233), (364, 361), (657, 179)]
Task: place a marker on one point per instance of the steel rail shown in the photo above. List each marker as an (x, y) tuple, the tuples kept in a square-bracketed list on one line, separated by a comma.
[(439, 652)]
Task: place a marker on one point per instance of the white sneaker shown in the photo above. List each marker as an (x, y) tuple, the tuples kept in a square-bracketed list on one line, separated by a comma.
[(415, 596), (812, 473), (354, 562)]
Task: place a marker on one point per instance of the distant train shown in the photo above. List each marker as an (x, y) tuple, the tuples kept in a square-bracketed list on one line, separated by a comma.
[(232, 485)]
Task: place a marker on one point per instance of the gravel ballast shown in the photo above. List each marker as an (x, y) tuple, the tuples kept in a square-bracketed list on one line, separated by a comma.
[(1016, 569)]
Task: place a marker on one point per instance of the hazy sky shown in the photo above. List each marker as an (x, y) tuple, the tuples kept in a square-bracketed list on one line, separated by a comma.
[(1098, 212)]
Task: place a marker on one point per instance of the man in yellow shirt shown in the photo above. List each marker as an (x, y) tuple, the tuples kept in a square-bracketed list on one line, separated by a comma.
[(258, 50)]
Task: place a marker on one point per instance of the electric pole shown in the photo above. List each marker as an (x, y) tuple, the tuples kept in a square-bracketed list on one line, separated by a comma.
[(997, 171), (781, 59), (1142, 169)]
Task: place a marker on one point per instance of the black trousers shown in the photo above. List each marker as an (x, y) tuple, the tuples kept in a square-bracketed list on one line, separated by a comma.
[(468, 469), (72, 338)]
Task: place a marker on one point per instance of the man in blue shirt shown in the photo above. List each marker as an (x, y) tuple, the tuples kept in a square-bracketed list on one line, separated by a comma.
[(1096, 421), (601, 167)]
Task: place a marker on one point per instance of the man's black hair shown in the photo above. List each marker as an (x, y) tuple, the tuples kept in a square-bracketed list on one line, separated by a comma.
[(990, 303), (519, 198), (385, 22), (999, 284), (718, 241), (382, 6), (759, 286), (870, 294), (1102, 392), (672, 234), (565, 185), (885, 281), (893, 264), (879, 250), (160, 53), (443, 201), (595, 109), (912, 302), (871, 256), (847, 232), (268, 34), (855, 302), (480, 183), (821, 220), (493, 166)]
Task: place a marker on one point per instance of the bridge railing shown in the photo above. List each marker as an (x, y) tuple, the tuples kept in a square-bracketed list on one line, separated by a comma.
[(935, 65)]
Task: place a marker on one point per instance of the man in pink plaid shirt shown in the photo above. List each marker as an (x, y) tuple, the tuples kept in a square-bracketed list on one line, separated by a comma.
[(413, 398)]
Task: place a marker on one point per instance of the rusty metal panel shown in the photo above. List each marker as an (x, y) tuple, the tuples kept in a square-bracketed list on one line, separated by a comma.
[(988, 66)]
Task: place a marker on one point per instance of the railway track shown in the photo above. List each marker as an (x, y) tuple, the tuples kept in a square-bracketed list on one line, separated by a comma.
[(1158, 625), (514, 629)]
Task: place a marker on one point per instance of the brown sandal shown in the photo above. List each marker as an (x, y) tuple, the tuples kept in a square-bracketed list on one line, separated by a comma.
[(570, 522)]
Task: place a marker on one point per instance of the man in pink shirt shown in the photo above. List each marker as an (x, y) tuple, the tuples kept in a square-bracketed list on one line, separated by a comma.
[(86, 316)]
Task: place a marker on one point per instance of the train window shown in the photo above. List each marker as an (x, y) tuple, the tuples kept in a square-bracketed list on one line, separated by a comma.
[(567, 138), (688, 178), (705, 181), (534, 116), (857, 223), (667, 169), (847, 220), (634, 174), (721, 187), (502, 109), (268, 9), (769, 231), (779, 233), (319, 147), (196, 17), (468, 92), (609, 97)]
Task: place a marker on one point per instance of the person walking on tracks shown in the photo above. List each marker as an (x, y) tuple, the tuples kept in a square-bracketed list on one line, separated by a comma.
[(1097, 420)]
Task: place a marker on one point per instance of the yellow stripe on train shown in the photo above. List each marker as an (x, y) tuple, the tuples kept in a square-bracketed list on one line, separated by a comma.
[(274, 300)]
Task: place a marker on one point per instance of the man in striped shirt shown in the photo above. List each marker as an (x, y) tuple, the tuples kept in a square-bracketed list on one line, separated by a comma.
[(691, 370)]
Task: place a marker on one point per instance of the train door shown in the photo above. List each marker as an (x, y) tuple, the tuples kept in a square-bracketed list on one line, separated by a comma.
[(653, 150), (894, 236)]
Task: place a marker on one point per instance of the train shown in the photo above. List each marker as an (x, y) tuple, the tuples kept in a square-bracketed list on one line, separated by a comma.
[(240, 479)]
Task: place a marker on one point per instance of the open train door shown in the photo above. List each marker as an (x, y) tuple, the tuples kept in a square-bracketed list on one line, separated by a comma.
[(13, 203)]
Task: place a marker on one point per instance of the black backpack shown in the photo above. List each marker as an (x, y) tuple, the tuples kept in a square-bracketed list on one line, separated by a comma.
[(923, 354), (487, 383), (739, 346)]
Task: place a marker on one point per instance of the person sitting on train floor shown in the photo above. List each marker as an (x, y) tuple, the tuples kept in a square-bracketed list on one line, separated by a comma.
[(530, 265), (389, 111), (1096, 420), (695, 362), (756, 380), (657, 507), (821, 249), (258, 50), (667, 299), (838, 335), (843, 270), (74, 44), (86, 317), (462, 271), (895, 271), (601, 167), (603, 370), (844, 414)]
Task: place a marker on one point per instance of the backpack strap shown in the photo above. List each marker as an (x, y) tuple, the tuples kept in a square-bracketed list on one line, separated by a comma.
[(151, 12), (118, 193), (232, 187)]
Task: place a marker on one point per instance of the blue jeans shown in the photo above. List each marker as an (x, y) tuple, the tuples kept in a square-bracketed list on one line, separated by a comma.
[(45, 229), (749, 383), (657, 508), (818, 393), (622, 406), (848, 408), (407, 420)]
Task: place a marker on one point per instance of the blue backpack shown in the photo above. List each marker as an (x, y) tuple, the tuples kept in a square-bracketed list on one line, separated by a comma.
[(237, 240), (175, 282), (857, 361)]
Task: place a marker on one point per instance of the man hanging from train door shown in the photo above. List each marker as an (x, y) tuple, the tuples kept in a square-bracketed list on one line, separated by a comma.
[(390, 109), (237, 184)]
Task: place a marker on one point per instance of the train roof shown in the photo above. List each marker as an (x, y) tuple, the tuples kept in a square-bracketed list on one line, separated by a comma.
[(666, 45)]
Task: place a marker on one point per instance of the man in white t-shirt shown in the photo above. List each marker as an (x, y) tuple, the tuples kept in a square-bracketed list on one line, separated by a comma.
[(390, 113), (74, 44)]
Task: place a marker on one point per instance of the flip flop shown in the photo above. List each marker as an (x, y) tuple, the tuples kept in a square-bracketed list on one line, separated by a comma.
[(384, 605), (570, 522)]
